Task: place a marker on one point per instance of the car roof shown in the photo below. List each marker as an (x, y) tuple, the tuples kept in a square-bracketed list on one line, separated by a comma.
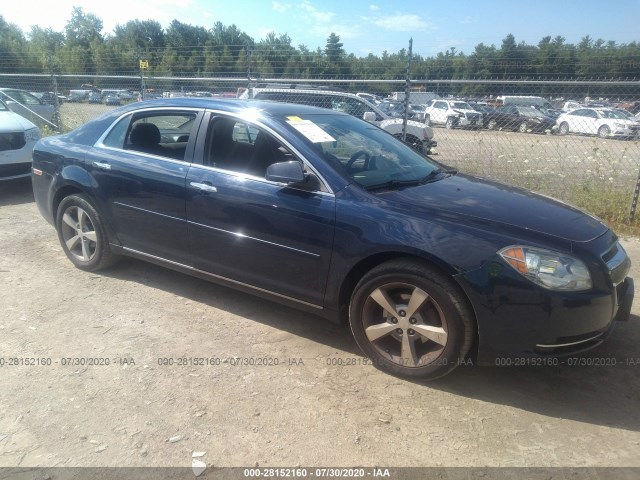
[(231, 105)]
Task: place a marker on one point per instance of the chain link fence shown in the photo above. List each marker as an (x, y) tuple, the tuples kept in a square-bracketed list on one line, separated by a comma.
[(577, 141)]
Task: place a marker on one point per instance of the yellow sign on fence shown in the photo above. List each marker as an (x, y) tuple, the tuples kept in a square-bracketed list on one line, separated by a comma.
[(144, 64)]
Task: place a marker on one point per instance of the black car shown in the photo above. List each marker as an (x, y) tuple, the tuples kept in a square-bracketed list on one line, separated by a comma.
[(519, 118), (323, 211)]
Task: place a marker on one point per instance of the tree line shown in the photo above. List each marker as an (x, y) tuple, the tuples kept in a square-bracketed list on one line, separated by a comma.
[(185, 50)]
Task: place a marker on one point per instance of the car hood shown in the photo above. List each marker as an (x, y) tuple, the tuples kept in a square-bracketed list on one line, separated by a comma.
[(12, 122), (498, 204)]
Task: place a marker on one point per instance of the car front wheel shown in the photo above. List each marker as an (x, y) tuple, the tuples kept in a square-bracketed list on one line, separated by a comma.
[(563, 129), (411, 320), (82, 235), (604, 131)]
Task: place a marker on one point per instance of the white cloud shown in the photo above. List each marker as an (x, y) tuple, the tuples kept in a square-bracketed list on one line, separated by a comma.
[(402, 23), (318, 15), (374, 7), (467, 20), (280, 7)]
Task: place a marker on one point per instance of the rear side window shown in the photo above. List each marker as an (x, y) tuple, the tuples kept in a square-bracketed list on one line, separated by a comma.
[(161, 134)]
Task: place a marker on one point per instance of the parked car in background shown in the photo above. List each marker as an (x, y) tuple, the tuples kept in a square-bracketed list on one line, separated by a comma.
[(319, 210), (112, 99), (419, 135), (28, 106), (518, 118), (49, 97), (453, 113), (17, 139), (485, 109), (604, 122), (94, 97)]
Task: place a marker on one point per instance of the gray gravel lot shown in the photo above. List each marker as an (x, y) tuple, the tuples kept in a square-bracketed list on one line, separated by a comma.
[(306, 410)]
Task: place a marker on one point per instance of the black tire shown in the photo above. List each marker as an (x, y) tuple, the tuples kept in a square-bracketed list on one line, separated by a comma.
[(400, 346), (491, 124), (523, 127), (563, 129), (604, 131), (450, 123), (82, 234)]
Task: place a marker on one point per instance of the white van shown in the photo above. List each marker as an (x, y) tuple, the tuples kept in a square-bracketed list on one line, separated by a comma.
[(524, 101)]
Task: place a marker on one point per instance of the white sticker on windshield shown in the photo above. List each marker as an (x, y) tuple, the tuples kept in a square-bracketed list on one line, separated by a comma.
[(310, 130)]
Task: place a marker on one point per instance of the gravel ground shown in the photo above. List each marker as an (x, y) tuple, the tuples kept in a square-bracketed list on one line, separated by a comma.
[(306, 410)]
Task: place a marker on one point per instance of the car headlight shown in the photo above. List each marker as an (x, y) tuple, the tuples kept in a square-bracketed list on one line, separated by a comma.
[(32, 135), (552, 270)]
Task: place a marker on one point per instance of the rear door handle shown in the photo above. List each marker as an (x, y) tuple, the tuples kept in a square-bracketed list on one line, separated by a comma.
[(102, 165), (204, 187)]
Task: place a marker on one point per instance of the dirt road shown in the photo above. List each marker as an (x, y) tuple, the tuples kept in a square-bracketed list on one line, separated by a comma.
[(256, 383)]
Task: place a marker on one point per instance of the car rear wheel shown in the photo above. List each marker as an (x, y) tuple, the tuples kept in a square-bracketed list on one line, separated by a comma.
[(411, 320), (491, 125), (604, 131), (82, 235), (563, 129), (523, 127)]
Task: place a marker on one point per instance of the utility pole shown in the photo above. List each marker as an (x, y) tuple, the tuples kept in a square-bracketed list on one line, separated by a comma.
[(407, 90)]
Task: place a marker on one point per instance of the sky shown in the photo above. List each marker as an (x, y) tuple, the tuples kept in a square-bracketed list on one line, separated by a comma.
[(364, 27)]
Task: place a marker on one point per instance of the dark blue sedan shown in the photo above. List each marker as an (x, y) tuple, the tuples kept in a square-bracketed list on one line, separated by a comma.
[(328, 213)]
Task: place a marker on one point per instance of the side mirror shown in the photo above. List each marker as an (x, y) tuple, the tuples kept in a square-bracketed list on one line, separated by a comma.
[(369, 117), (286, 172)]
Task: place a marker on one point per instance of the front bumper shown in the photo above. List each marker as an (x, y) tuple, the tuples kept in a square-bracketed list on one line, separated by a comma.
[(518, 319)]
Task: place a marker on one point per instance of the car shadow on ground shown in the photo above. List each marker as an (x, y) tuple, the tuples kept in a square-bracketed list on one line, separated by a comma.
[(605, 391), (257, 309), (16, 192)]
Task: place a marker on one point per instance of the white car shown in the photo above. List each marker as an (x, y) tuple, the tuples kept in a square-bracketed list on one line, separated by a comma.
[(453, 113), (17, 138), (28, 105), (604, 122)]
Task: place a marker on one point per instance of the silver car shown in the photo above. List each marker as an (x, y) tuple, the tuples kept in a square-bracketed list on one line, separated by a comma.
[(28, 106), (17, 138)]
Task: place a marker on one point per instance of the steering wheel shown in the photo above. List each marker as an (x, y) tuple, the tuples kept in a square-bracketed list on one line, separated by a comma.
[(356, 156)]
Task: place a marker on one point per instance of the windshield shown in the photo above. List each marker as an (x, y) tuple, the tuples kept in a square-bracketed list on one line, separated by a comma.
[(612, 114), (363, 152), (461, 105), (3, 106)]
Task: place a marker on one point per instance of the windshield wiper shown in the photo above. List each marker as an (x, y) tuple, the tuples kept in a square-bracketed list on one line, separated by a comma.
[(438, 174), (431, 177)]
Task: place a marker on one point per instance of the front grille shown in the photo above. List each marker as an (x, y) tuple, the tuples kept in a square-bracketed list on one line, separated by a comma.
[(12, 141)]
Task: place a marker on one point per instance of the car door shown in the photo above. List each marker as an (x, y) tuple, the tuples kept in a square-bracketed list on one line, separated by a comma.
[(592, 122), (251, 231), (577, 120), (139, 169)]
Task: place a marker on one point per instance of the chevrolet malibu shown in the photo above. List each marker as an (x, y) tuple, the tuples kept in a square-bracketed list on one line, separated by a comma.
[(320, 210)]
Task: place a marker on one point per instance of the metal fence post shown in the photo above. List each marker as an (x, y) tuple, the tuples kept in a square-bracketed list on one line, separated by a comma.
[(407, 90), (634, 202), (56, 102)]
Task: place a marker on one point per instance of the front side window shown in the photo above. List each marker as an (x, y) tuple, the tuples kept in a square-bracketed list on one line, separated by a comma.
[(161, 134), (241, 147)]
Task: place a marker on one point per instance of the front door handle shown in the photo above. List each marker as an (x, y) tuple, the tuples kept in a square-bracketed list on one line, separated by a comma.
[(204, 187), (102, 165)]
